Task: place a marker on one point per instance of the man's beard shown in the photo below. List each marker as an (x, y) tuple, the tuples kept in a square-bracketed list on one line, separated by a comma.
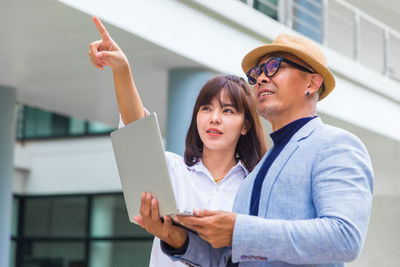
[(266, 112)]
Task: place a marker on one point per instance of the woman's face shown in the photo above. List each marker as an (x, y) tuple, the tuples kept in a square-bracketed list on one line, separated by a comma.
[(220, 124)]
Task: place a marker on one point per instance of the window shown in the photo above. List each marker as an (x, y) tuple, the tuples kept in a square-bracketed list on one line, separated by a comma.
[(120, 253), (34, 123), (307, 18), (304, 16), (55, 216), (268, 7), (52, 254), (76, 230)]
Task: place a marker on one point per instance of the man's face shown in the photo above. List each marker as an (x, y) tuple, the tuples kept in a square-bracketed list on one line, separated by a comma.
[(283, 95)]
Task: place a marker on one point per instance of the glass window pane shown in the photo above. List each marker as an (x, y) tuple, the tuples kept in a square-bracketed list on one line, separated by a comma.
[(110, 218), (59, 125), (13, 251), (53, 254), (14, 220), (268, 7), (97, 128), (37, 123), (54, 216), (308, 18), (76, 126), (120, 254)]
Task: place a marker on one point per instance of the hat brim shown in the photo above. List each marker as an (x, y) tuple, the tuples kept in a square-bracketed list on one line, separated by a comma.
[(252, 58)]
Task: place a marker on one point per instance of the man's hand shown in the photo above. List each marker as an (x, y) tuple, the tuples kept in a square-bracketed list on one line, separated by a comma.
[(150, 221), (106, 52), (216, 227)]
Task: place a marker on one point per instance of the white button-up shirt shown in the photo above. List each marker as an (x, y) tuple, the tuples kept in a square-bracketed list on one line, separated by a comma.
[(195, 188)]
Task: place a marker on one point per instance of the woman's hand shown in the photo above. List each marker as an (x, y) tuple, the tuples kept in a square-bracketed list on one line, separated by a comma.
[(106, 52), (150, 220)]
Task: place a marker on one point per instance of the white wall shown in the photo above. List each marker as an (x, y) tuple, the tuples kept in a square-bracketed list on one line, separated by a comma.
[(66, 166)]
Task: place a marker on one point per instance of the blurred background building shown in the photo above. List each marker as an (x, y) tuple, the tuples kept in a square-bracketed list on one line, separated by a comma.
[(57, 110)]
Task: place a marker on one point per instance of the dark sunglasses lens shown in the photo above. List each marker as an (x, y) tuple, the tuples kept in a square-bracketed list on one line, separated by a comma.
[(271, 67), (253, 74)]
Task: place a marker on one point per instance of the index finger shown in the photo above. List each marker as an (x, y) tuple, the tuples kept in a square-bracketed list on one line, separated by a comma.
[(190, 221), (102, 30), (205, 213)]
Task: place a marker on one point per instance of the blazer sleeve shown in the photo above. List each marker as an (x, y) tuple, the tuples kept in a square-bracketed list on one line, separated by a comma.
[(198, 253), (342, 184)]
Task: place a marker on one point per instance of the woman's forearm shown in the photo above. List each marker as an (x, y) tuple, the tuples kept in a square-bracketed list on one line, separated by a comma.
[(128, 99)]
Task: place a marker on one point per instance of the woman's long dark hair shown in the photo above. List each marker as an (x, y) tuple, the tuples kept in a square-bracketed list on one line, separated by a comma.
[(250, 147)]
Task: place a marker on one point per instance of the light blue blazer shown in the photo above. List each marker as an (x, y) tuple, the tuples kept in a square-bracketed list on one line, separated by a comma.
[(314, 208)]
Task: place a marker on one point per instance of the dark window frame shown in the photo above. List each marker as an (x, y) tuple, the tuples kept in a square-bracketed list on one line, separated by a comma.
[(87, 239)]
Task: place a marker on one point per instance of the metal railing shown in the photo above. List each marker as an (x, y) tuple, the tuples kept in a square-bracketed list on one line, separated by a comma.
[(341, 27)]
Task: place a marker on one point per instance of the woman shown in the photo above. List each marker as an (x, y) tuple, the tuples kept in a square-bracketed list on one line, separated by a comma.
[(224, 142)]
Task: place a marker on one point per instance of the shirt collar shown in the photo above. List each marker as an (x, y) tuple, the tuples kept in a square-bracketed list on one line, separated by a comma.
[(282, 136), (199, 166)]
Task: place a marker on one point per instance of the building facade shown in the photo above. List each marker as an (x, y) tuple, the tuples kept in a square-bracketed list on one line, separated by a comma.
[(60, 192)]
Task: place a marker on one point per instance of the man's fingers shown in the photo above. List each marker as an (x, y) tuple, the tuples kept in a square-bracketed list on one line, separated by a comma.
[(191, 222), (102, 30), (204, 213)]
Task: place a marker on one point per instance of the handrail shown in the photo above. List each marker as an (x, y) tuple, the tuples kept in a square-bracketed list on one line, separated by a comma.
[(355, 22)]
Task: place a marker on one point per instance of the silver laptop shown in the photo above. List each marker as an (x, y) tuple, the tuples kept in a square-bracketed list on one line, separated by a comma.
[(142, 166)]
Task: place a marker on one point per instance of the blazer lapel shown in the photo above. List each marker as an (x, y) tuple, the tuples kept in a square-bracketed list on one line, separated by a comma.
[(281, 161), (243, 196)]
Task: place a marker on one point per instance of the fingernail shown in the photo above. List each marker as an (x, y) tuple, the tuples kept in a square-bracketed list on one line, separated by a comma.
[(148, 196), (143, 195)]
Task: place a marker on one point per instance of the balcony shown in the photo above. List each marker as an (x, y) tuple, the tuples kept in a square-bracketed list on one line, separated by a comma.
[(340, 27)]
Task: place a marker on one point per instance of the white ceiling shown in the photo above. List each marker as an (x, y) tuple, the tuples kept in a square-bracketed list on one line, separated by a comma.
[(44, 56)]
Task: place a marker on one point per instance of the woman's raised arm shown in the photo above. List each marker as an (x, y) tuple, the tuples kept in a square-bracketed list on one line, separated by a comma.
[(106, 52)]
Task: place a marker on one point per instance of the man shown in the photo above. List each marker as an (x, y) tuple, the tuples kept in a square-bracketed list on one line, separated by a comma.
[(309, 200)]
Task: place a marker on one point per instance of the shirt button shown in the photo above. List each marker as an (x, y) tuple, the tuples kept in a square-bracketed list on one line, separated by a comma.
[(243, 257)]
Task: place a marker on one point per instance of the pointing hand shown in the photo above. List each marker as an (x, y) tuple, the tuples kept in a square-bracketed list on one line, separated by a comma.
[(106, 52)]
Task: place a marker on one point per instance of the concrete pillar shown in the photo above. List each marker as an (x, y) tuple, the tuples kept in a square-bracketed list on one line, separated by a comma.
[(7, 137), (183, 88)]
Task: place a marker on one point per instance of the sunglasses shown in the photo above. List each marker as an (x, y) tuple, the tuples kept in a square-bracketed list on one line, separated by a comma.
[(270, 68)]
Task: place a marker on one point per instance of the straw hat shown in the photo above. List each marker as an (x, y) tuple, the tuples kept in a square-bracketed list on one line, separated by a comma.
[(301, 47)]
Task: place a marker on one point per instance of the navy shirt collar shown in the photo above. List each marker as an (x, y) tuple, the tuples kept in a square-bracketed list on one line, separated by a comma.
[(283, 135)]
